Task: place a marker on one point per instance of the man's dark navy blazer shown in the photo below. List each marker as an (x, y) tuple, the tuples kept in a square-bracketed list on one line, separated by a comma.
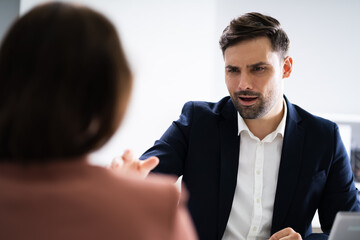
[(203, 146)]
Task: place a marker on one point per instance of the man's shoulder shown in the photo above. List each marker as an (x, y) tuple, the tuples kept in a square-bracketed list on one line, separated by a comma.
[(309, 119), (217, 108)]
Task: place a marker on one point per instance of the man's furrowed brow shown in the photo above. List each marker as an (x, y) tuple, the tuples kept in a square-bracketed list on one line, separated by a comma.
[(230, 67), (257, 64)]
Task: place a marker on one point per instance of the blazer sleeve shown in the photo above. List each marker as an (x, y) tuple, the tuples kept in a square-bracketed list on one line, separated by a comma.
[(340, 193), (172, 147)]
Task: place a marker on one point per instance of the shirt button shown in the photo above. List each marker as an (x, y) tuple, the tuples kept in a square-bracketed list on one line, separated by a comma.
[(254, 229), (258, 172), (257, 200)]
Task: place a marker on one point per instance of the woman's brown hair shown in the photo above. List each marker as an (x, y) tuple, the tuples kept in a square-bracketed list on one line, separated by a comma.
[(64, 84)]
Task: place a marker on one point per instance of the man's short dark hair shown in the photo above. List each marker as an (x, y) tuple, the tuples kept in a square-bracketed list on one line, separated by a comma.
[(64, 84), (253, 25)]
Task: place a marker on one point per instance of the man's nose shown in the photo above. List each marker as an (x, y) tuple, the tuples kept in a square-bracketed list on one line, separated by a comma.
[(245, 82)]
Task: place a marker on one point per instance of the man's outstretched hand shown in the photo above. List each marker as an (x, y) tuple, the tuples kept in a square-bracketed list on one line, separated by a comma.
[(128, 164), (286, 234)]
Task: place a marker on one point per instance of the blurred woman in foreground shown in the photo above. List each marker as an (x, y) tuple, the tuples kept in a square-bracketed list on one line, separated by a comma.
[(64, 89)]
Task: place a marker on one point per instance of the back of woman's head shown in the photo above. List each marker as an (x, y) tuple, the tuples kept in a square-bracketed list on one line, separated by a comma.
[(64, 84)]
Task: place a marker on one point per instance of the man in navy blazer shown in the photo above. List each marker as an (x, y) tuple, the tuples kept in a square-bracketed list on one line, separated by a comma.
[(212, 144), (203, 146)]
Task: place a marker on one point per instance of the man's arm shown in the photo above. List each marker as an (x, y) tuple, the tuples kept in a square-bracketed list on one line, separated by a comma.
[(340, 193), (171, 149)]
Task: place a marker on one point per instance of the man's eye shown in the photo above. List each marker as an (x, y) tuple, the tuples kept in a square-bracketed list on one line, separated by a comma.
[(232, 70), (258, 69)]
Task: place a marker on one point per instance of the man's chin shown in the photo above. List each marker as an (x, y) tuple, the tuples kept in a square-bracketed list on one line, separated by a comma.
[(248, 113)]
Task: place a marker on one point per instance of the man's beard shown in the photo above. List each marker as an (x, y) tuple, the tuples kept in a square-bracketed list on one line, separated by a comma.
[(257, 110)]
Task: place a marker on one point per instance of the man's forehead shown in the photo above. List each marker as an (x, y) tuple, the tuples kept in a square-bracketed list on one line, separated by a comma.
[(250, 53), (249, 60)]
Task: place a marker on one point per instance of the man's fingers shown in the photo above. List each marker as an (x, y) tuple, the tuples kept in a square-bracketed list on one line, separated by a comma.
[(128, 164), (149, 164), (115, 163), (285, 234), (128, 156)]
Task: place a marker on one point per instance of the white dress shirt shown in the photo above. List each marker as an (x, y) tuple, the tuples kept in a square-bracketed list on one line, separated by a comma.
[(252, 209)]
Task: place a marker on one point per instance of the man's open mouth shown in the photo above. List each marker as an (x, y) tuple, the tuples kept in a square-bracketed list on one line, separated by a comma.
[(248, 98)]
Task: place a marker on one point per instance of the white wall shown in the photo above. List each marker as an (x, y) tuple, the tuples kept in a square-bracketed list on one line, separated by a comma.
[(9, 10), (170, 45), (174, 53)]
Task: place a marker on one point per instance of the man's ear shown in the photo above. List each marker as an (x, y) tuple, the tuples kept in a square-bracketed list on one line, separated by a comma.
[(287, 67)]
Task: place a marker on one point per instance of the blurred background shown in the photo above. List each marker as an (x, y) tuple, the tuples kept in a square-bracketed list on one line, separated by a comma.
[(173, 50)]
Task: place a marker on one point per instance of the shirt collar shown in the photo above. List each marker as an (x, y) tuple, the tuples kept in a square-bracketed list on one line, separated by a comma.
[(280, 130)]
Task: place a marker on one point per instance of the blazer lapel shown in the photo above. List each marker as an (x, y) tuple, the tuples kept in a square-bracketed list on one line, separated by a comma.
[(289, 170), (229, 160)]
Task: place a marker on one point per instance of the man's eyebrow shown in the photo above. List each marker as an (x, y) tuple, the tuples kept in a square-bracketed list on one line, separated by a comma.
[(247, 66), (257, 64), (231, 67)]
